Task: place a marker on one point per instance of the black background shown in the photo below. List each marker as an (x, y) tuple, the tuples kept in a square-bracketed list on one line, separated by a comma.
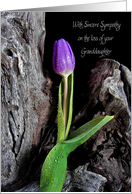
[(60, 25)]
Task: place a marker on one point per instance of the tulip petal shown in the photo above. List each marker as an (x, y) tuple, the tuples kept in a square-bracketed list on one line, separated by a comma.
[(63, 58)]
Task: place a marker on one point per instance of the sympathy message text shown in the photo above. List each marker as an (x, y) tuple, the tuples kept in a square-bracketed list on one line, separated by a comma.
[(102, 39)]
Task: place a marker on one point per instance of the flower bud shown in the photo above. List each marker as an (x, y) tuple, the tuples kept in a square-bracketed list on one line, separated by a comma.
[(63, 58)]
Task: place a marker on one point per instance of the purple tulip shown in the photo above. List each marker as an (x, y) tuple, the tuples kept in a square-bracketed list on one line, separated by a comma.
[(63, 58)]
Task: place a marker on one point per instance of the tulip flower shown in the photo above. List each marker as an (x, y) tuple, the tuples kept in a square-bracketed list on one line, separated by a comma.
[(63, 58), (63, 64), (53, 172)]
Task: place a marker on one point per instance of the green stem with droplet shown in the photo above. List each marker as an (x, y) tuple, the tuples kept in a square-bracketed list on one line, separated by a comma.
[(65, 101)]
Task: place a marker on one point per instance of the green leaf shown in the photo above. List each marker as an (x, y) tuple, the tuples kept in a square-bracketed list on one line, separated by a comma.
[(61, 129), (54, 170), (84, 132), (70, 103)]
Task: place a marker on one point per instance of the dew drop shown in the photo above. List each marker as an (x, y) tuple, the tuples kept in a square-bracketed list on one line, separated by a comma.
[(46, 183)]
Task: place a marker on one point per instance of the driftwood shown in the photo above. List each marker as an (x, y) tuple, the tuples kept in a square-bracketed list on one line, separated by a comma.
[(25, 95), (29, 109)]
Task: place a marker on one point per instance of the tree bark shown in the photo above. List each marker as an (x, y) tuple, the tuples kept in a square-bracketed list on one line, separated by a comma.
[(26, 96), (108, 151)]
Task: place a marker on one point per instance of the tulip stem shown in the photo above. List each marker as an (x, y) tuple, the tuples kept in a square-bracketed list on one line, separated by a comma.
[(65, 101)]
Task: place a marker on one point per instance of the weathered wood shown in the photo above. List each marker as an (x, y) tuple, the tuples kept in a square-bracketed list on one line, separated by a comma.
[(25, 90), (108, 151), (82, 180)]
